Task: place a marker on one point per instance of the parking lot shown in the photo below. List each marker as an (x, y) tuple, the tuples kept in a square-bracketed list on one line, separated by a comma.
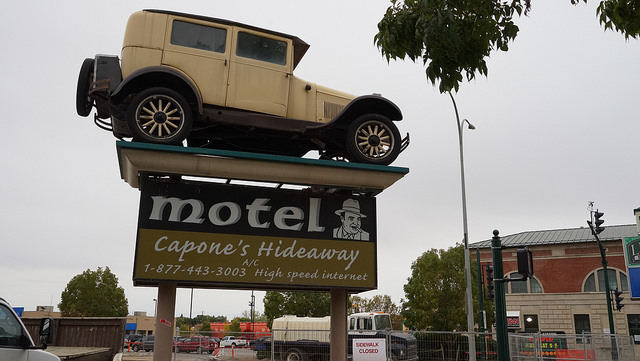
[(224, 354)]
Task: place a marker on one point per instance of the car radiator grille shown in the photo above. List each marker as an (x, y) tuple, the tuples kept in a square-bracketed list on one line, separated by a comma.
[(331, 110)]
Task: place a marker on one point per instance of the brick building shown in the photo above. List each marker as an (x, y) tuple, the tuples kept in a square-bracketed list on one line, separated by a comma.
[(567, 292)]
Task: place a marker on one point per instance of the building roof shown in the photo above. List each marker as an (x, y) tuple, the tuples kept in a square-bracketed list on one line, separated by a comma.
[(561, 236)]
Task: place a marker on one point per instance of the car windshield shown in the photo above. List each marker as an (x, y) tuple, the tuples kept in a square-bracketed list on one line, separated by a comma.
[(383, 322)]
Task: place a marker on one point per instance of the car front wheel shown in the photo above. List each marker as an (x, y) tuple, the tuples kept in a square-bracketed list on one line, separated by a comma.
[(373, 139), (159, 115)]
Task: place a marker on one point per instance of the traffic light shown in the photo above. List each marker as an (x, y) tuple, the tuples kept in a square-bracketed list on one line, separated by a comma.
[(618, 299), (525, 262), (490, 285), (598, 221)]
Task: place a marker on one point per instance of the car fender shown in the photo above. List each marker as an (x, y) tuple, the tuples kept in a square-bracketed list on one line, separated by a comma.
[(366, 104), (163, 76)]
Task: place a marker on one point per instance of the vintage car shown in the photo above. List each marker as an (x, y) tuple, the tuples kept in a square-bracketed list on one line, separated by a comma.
[(220, 84)]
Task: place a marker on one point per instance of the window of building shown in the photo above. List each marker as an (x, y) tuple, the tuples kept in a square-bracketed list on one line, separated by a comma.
[(531, 323), (262, 48), (531, 285), (199, 36), (582, 325), (617, 279), (634, 327)]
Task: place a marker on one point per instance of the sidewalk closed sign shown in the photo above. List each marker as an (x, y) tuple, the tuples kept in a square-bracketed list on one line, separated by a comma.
[(369, 349)]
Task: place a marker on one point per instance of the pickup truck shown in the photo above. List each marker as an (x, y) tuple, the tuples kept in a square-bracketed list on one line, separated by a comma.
[(232, 341), (15, 342)]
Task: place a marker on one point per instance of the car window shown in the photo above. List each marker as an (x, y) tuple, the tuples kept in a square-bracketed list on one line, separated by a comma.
[(260, 48), (10, 329), (199, 36)]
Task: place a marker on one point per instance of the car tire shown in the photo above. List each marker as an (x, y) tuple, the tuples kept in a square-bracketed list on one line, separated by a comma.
[(84, 103), (159, 115), (295, 355), (373, 139), (135, 348), (335, 156)]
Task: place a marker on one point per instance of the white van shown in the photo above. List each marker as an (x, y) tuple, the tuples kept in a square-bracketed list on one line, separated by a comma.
[(15, 342)]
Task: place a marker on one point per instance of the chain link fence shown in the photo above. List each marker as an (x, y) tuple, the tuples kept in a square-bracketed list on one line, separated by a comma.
[(428, 346)]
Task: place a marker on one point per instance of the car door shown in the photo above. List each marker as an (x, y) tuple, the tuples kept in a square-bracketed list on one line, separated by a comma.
[(11, 337), (200, 49), (259, 72)]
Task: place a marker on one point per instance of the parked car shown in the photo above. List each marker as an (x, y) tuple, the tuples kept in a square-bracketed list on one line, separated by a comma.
[(258, 344), (198, 344), (232, 341), (133, 342), (148, 342), (215, 340), (220, 84)]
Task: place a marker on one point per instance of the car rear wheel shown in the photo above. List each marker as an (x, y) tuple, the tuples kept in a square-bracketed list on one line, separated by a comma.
[(295, 355), (159, 115), (84, 103), (373, 139)]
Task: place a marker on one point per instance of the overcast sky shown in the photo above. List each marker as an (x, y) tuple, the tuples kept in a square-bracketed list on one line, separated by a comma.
[(557, 126)]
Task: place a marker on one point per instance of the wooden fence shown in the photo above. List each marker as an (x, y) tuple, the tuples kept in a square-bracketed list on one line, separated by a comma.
[(83, 332)]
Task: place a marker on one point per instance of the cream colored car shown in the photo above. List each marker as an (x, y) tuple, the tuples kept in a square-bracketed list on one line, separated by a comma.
[(225, 85)]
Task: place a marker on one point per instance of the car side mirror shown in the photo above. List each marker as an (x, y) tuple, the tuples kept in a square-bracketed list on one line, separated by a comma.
[(46, 331)]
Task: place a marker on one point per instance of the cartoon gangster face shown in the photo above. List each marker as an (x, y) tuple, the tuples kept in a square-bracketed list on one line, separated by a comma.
[(351, 222), (351, 219)]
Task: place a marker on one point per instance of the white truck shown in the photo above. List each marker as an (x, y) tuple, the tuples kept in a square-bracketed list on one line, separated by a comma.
[(15, 342), (232, 341), (307, 338)]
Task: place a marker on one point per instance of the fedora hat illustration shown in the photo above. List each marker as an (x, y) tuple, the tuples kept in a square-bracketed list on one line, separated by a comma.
[(350, 205)]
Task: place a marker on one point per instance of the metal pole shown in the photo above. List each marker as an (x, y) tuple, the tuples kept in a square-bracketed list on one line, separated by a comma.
[(502, 334), (603, 256), (467, 262), (481, 325)]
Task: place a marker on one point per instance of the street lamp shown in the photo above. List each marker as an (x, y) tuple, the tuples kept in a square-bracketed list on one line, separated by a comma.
[(467, 265), (155, 308)]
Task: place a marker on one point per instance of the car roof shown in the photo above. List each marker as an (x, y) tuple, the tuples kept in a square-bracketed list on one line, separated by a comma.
[(299, 46)]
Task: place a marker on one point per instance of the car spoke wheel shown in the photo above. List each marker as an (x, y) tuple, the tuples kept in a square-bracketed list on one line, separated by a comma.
[(159, 115), (374, 139)]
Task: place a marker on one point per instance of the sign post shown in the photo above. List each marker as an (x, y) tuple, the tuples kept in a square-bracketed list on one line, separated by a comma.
[(320, 236)]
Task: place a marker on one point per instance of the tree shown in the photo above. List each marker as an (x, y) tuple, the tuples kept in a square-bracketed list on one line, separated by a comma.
[(94, 294), (257, 316), (310, 304), (235, 326), (206, 327), (381, 303), (619, 15), (453, 37), (435, 291)]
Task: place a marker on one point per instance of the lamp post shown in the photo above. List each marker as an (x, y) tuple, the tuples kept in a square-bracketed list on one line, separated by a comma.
[(467, 264)]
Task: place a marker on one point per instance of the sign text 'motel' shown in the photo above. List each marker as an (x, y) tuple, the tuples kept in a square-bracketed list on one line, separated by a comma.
[(215, 235)]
